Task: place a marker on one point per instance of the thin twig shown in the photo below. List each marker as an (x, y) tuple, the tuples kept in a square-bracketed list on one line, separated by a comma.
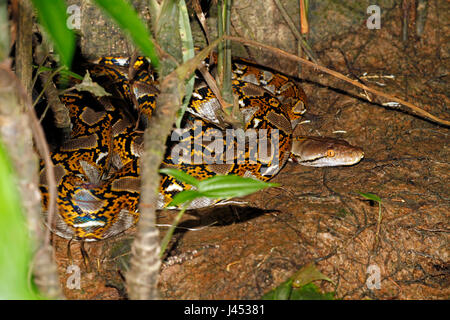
[(48, 83), (61, 113)]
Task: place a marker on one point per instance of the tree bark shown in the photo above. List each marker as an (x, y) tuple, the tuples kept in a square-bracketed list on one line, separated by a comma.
[(100, 36)]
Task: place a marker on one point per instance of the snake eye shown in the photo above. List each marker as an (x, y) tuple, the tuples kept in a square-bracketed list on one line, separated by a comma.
[(330, 153)]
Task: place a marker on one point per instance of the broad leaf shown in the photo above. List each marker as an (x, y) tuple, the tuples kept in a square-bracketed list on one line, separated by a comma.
[(180, 175), (230, 186), (299, 286), (370, 196), (308, 274), (310, 292), (217, 187), (282, 292), (15, 245), (184, 197)]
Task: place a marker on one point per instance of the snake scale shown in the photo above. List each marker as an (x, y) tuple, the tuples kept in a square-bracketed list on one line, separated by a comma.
[(97, 169)]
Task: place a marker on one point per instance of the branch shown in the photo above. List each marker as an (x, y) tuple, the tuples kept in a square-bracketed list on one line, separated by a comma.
[(61, 114), (145, 263)]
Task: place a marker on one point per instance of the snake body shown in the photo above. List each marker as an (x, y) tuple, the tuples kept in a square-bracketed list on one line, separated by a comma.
[(97, 169)]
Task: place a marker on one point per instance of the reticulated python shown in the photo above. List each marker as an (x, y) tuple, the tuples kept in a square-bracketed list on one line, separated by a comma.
[(97, 169)]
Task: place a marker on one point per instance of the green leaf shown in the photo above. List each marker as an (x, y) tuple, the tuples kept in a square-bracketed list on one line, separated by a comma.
[(308, 274), (370, 196), (299, 286), (217, 187), (181, 176), (183, 197), (230, 186), (285, 291), (310, 292), (15, 246), (127, 18), (53, 17), (282, 292)]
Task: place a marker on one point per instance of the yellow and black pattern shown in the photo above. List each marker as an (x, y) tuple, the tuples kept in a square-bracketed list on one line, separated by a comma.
[(98, 168), (280, 87)]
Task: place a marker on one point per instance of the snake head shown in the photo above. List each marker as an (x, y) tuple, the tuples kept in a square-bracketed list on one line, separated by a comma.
[(324, 152)]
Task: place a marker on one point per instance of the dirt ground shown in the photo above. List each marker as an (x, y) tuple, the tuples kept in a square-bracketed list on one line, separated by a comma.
[(316, 215)]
